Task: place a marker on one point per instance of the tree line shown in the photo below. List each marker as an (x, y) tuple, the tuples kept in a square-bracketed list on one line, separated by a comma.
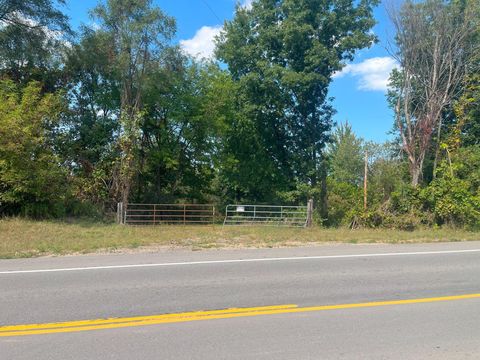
[(118, 112)]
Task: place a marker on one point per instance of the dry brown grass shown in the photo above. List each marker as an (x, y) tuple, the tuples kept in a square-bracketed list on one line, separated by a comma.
[(25, 238)]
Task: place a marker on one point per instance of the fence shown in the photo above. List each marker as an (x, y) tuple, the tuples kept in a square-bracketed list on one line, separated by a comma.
[(273, 215), (159, 214)]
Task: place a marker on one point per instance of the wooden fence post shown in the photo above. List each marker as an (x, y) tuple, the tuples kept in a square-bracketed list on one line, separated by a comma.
[(120, 218), (118, 213), (309, 213)]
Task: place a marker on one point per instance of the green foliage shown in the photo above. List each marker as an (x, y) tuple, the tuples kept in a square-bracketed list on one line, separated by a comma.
[(94, 99), (386, 176), (282, 55), (179, 147), (88, 134), (32, 179), (41, 12), (452, 202), (454, 196), (137, 34), (346, 156), (380, 218), (405, 199), (387, 172), (467, 111), (345, 203), (139, 120), (32, 39)]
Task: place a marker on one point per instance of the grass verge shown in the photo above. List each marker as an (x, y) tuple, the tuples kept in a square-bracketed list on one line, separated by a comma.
[(24, 238)]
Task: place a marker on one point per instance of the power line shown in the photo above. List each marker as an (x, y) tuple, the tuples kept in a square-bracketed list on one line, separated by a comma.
[(211, 10)]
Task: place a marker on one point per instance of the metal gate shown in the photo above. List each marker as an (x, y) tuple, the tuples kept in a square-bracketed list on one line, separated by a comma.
[(274, 215), (159, 214)]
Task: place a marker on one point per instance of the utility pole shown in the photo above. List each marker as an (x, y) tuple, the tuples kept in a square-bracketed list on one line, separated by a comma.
[(365, 182)]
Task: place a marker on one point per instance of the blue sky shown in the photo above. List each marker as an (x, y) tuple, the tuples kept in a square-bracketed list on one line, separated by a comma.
[(359, 90)]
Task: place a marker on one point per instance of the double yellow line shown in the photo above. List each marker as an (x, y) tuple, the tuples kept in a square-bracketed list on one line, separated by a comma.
[(114, 323)]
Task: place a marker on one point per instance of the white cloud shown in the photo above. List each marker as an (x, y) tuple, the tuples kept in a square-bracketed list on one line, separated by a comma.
[(372, 74), (202, 44)]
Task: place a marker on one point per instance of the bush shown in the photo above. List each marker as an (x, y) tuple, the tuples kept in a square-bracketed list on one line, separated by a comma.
[(345, 202), (405, 199), (452, 202), (454, 196), (409, 221)]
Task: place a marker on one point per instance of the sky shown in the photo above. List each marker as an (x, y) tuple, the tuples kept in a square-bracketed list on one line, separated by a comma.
[(359, 89)]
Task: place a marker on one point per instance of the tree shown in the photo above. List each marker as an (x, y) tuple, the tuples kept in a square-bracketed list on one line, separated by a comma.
[(282, 55), (467, 110), (32, 35), (434, 49), (184, 117), (137, 33), (387, 171), (40, 13), (346, 155), (89, 129), (31, 177)]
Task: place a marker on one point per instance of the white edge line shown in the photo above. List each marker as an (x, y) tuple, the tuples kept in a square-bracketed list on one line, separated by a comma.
[(321, 257)]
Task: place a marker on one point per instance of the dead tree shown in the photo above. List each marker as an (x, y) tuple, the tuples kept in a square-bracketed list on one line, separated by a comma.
[(433, 47)]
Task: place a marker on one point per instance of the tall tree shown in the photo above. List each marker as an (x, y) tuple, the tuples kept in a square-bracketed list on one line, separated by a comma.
[(282, 54), (434, 49), (137, 33)]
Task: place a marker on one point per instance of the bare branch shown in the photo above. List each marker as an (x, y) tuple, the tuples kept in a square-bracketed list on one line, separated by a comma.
[(432, 38)]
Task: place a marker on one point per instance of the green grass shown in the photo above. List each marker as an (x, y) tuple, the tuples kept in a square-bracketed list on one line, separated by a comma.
[(25, 238)]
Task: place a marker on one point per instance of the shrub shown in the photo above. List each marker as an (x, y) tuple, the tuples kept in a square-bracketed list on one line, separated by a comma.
[(454, 196), (452, 202), (345, 202)]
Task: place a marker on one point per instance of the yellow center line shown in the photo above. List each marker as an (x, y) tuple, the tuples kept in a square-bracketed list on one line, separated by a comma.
[(86, 325), (176, 316)]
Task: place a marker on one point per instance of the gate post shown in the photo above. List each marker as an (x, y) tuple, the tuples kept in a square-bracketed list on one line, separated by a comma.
[(309, 213), (120, 213)]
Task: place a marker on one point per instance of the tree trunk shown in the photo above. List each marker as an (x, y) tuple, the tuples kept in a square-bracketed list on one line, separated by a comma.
[(415, 172)]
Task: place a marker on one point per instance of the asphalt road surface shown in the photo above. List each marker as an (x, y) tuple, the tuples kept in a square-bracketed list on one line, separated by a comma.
[(326, 302)]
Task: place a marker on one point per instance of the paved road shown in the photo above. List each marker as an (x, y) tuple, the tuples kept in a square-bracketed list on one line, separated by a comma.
[(115, 286)]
